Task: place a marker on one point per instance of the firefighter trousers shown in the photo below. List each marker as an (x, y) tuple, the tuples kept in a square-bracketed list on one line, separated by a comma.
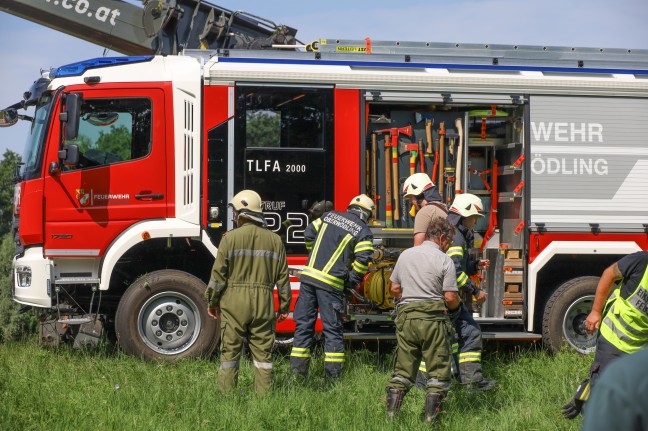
[(247, 314), (331, 310), (423, 332), (469, 340), (606, 353)]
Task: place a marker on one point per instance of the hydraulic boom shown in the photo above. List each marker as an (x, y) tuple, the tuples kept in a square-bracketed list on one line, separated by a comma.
[(158, 27)]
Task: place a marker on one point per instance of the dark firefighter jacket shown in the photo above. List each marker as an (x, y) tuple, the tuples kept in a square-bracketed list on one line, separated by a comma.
[(465, 265), (340, 246)]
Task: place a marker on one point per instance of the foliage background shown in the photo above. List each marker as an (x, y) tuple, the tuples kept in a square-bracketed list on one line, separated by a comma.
[(12, 325)]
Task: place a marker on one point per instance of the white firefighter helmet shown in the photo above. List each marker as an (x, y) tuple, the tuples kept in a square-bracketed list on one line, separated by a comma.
[(415, 184), (467, 204), (362, 206), (247, 204)]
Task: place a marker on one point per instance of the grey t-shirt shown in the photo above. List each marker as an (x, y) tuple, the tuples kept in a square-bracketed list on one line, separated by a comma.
[(424, 273)]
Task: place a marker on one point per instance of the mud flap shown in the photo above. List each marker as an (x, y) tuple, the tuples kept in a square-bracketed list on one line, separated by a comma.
[(89, 335)]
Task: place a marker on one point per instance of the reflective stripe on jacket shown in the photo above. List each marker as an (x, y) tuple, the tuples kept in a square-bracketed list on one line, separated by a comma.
[(340, 246), (250, 256)]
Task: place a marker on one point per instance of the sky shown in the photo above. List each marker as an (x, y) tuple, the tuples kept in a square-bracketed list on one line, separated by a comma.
[(29, 47)]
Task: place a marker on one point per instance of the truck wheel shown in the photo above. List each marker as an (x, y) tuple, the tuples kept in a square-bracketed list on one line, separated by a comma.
[(163, 315), (565, 314)]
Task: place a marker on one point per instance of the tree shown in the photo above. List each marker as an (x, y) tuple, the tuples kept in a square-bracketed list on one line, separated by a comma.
[(263, 129), (7, 169), (117, 141), (13, 326)]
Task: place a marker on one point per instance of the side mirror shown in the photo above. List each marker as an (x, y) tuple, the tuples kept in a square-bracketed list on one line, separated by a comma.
[(69, 155), (70, 115), (8, 117)]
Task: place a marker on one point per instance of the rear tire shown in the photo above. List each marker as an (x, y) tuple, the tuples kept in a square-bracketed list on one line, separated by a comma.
[(163, 315), (565, 314)]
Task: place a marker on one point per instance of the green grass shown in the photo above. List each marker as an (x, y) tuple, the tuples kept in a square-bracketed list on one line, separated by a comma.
[(64, 389)]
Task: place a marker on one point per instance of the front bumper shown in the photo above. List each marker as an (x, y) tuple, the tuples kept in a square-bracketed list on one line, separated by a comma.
[(32, 278)]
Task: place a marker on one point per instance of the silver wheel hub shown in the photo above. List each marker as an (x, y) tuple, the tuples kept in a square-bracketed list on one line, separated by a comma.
[(574, 325), (169, 323)]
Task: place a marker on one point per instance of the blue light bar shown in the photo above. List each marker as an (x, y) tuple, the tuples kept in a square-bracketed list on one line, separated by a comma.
[(76, 69)]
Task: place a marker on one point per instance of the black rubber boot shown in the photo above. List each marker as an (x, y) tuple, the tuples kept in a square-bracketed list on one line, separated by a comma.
[(432, 406), (473, 378), (394, 401), (482, 385)]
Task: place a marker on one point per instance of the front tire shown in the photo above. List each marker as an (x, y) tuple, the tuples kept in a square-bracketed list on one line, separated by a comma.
[(565, 314), (163, 315)]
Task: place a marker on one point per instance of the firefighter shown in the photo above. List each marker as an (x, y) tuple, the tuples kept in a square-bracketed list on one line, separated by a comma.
[(424, 281), (464, 213), (620, 313), (340, 246), (251, 260), (426, 203)]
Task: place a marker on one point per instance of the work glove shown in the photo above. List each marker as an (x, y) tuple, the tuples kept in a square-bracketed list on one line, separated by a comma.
[(572, 408), (575, 405), (354, 279)]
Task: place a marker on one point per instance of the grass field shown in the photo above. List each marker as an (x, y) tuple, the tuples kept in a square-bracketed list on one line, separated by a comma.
[(65, 389)]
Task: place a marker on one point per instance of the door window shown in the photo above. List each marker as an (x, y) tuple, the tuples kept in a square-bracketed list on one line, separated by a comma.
[(285, 117), (286, 154), (113, 131)]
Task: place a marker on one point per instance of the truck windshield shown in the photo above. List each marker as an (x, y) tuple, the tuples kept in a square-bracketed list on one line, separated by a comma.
[(35, 145)]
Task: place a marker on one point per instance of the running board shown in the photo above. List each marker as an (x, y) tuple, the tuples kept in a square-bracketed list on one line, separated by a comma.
[(510, 335), (486, 335), (76, 280)]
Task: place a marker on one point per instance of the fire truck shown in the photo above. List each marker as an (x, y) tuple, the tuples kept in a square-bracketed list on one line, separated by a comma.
[(121, 197)]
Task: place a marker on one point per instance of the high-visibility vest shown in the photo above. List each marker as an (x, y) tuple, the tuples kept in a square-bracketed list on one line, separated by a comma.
[(625, 325)]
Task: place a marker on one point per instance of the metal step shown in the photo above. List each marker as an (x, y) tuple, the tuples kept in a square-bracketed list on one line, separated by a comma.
[(76, 280), (498, 321), (512, 335), (486, 335), (369, 336), (75, 320)]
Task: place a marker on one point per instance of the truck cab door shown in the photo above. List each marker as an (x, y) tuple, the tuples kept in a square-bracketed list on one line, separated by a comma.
[(120, 178)]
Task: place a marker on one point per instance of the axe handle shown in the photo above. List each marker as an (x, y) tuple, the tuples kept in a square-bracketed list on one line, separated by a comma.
[(428, 136), (388, 191), (436, 165), (374, 162), (441, 156), (395, 176), (367, 173), (459, 167), (413, 151), (420, 153)]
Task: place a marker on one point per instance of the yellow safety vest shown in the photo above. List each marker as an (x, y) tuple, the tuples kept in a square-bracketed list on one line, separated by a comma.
[(625, 325)]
